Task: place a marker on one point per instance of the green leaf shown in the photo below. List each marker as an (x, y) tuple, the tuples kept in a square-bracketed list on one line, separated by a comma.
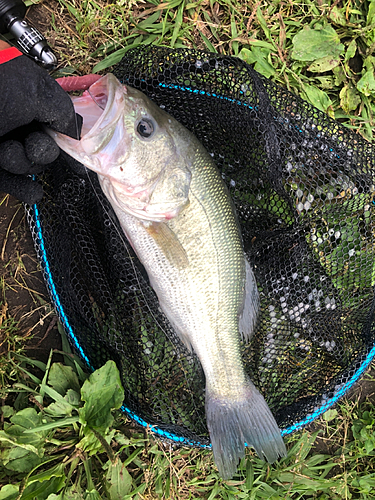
[(102, 392), (73, 398), (260, 43), (312, 44), (263, 23), (56, 471), (324, 64), (326, 82), (20, 460), (53, 425), (366, 84), (72, 493), (318, 98), (65, 406), (207, 43), (60, 409), (119, 479), (349, 99), (340, 76), (177, 26), (9, 492), (369, 445), (113, 58), (351, 50), (7, 411), (371, 13), (42, 490), (27, 418), (62, 378), (92, 495), (23, 432), (249, 474), (337, 16), (10, 440), (147, 23), (259, 57), (91, 444), (330, 415)]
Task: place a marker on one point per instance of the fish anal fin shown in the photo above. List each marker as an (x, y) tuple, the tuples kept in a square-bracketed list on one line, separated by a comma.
[(250, 309), (168, 243)]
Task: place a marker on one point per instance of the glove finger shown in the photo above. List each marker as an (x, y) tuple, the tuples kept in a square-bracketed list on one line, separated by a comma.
[(21, 187), (57, 110), (13, 157), (41, 148)]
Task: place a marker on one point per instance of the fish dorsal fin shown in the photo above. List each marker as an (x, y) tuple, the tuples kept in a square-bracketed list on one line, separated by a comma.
[(169, 244), (250, 308)]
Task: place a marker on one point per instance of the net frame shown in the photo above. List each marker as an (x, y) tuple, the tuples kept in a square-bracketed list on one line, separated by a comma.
[(140, 70)]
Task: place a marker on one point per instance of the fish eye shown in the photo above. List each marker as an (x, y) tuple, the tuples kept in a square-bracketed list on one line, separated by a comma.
[(145, 127)]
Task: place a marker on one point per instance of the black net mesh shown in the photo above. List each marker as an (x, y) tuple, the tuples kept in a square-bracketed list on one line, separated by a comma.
[(303, 188)]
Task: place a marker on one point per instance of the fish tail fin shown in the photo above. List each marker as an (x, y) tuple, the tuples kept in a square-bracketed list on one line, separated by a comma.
[(232, 422)]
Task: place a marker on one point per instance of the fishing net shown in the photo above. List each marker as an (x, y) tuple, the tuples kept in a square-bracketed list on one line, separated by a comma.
[(304, 192)]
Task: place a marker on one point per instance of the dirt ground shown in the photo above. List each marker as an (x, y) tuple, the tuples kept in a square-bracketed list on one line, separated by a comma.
[(24, 297)]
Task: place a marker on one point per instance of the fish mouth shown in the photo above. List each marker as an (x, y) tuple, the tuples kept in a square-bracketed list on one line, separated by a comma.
[(104, 142), (164, 216)]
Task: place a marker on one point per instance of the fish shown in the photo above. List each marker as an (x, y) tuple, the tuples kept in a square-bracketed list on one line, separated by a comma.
[(176, 211)]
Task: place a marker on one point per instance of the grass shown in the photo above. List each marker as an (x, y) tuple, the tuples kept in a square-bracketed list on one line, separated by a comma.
[(321, 50), (324, 52), (64, 449)]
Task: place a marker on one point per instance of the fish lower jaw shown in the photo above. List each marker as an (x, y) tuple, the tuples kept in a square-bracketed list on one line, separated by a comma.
[(132, 205), (145, 211), (145, 215)]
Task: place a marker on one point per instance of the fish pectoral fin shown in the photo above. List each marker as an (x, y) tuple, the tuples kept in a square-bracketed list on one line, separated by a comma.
[(250, 308), (169, 244)]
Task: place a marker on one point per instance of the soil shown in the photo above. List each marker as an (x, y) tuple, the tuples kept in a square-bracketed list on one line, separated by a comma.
[(24, 295)]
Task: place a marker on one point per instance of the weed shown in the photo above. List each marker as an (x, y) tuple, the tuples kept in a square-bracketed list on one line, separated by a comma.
[(61, 440), (321, 50)]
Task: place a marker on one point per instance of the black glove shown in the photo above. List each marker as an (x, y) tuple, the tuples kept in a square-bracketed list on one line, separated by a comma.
[(29, 98)]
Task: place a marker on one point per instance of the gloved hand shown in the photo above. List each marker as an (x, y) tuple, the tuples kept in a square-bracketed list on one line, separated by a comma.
[(29, 97)]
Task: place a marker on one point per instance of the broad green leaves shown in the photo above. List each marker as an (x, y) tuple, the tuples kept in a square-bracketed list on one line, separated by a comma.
[(327, 59), (119, 480), (70, 425), (349, 98), (260, 58), (295, 44), (101, 392), (366, 84), (316, 44)]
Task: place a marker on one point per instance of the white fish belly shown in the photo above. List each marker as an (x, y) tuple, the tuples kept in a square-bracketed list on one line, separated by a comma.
[(202, 299)]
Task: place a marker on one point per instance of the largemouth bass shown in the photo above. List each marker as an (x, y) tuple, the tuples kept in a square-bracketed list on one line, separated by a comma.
[(176, 212)]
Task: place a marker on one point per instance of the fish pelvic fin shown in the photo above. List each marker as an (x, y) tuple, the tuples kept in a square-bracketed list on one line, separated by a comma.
[(250, 309), (232, 422)]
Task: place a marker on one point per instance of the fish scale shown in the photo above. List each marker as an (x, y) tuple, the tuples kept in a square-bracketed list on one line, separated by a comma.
[(177, 214)]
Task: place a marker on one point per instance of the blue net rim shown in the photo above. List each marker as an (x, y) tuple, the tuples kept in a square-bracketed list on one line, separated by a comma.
[(157, 431)]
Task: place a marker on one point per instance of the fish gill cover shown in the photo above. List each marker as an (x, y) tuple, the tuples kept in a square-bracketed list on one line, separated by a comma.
[(303, 188)]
